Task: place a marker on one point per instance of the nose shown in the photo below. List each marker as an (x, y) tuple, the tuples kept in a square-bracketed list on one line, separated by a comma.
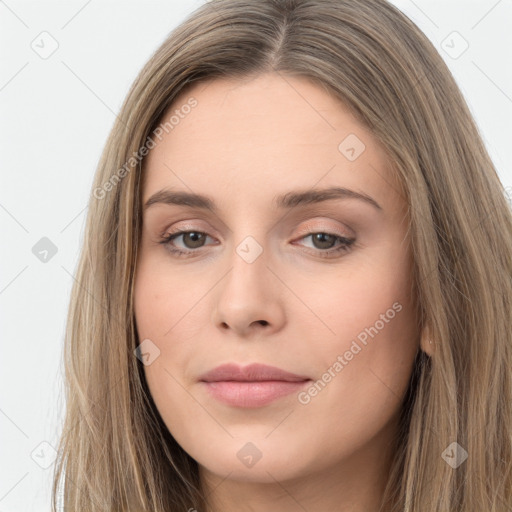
[(249, 299)]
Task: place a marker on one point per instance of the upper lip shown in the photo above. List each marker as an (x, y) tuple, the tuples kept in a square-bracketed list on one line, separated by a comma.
[(251, 373)]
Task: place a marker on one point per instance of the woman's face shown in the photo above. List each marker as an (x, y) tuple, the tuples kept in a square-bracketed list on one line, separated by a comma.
[(274, 271)]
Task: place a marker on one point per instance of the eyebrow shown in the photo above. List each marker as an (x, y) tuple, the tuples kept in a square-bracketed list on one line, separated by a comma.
[(285, 201)]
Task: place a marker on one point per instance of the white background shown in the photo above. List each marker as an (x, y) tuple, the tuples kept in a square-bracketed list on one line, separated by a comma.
[(55, 116)]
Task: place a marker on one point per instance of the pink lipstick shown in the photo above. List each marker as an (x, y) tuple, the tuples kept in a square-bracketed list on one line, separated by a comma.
[(254, 385)]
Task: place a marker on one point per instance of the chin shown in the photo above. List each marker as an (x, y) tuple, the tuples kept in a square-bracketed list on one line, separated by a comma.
[(248, 463)]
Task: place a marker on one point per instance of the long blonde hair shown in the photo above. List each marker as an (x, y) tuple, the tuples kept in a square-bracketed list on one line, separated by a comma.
[(115, 451)]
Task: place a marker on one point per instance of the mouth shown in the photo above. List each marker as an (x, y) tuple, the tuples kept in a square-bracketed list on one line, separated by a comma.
[(251, 386)]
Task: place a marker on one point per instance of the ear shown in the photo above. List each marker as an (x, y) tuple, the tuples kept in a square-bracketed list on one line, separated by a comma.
[(427, 342)]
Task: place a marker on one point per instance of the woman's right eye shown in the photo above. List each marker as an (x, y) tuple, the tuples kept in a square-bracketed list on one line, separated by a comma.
[(191, 239)]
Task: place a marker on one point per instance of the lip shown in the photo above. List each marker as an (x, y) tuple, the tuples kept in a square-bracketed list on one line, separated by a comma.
[(254, 385), (251, 373)]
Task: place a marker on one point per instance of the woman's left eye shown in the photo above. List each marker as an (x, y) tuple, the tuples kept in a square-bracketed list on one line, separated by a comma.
[(324, 243), (328, 241)]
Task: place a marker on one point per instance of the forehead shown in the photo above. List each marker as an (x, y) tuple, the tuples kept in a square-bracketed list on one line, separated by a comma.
[(263, 135)]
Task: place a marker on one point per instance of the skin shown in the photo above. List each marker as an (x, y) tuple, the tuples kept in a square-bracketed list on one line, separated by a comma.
[(245, 142)]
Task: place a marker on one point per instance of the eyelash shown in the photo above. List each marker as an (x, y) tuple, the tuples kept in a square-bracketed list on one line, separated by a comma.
[(345, 246)]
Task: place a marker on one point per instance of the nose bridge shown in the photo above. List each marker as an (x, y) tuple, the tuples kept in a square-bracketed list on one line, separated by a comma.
[(250, 249), (250, 241), (248, 278)]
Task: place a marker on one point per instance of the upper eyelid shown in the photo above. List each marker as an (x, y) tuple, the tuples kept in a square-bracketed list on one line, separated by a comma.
[(191, 226), (307, 230)]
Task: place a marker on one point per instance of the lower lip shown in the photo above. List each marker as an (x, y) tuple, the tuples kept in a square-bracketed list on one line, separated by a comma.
[(252, 394)]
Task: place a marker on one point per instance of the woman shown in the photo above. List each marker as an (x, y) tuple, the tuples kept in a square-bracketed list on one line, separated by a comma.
[(295, 287)]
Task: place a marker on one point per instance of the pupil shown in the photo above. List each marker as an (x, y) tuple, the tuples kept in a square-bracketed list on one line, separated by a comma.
[(196, 238), (324, 239)]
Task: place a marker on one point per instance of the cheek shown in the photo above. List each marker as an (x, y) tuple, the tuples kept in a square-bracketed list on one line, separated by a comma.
[(350, 301), (365, 356), (166, 308), (162, 297), (362, 372)]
